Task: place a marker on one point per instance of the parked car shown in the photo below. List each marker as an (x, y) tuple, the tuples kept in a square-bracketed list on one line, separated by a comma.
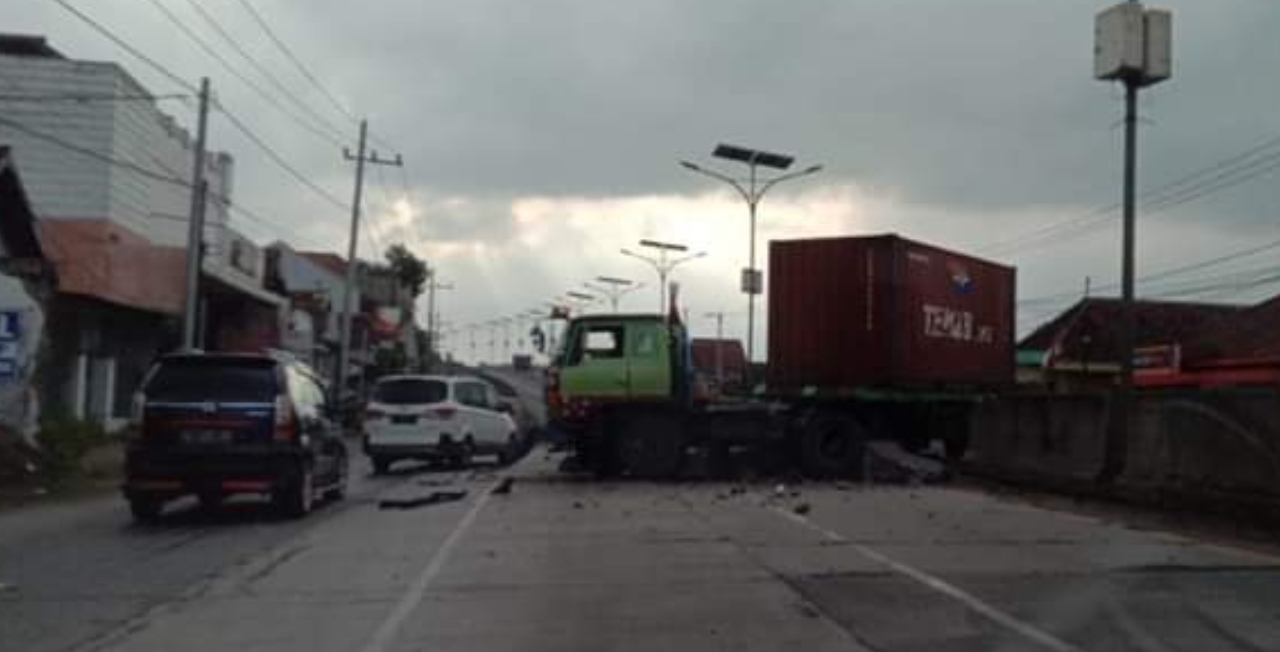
[(436, 418), (213, 425)]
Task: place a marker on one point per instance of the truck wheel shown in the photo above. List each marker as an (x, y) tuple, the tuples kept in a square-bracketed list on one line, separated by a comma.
[(381, 466), (651, 446), (719, 460), (832, 446), (145, 509)]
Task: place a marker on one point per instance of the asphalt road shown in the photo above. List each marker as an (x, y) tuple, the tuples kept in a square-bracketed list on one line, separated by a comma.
[(566, 564)]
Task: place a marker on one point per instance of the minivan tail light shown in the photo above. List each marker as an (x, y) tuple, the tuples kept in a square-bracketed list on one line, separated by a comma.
[(285, 422), (445, 413)]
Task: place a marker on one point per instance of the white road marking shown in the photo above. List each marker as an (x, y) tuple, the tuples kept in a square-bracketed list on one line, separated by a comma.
[(413, 595), (1025, 629)]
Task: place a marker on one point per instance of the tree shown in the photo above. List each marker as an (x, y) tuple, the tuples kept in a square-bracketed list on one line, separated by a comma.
[(411, 270)]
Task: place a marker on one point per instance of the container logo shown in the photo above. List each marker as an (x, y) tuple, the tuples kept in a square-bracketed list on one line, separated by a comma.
[(960, 279)]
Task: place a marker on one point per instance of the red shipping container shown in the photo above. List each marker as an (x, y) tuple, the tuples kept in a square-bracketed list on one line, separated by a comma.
[(886, 312)]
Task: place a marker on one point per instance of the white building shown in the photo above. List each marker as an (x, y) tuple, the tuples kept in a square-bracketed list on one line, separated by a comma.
[(106, 172), (98, 106)]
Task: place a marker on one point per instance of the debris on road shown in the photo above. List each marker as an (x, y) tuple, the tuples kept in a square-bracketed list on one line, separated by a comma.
[(577, 504), (420, 501), (801, 509), (504, 487), (6, 587), (888, 462), (435, 482)]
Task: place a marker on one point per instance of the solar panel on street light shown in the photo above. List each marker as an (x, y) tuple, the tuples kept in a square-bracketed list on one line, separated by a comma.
[(669, 246), (753, 156)]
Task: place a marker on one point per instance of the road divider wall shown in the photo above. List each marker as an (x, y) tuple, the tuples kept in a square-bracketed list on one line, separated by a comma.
[(1199, 450)]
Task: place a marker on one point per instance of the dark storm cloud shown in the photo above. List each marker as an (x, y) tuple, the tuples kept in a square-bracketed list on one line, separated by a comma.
[(986, 104)]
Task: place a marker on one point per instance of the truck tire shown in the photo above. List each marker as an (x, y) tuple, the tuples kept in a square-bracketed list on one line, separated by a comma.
[(832, 446), (146, 509), (651, 446)]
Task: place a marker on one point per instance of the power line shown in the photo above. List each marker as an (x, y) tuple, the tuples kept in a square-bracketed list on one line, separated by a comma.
[(145, 172), (280, 160), (173, 77), (1221, 175), (226, 65), (90, 97), (271, 34), (262, 70)]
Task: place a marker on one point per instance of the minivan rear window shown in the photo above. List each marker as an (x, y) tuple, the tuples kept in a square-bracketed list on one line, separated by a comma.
[(213, 379), (410, 391)]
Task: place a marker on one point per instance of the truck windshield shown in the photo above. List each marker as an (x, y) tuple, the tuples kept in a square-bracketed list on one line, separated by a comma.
[(410, 391)]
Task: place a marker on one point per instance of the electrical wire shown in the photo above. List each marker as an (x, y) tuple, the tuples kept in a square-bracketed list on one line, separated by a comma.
[(271, 78), (145, 172), (1221, 175), (271, 34), (280, 160), (89, 97), (227, 66), (152, 63)]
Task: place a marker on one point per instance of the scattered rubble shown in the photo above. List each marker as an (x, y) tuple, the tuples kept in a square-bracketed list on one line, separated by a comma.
[(888, 462), (504, 487), (420, 501), (577, 504), (801, 509)]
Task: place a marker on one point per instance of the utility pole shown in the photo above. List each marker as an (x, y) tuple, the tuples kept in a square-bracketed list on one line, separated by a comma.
[(1133, 46), (348, 292), (433, 316), (195, 225)]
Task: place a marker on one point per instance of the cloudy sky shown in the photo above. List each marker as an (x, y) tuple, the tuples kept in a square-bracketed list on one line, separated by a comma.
[(541, 137)]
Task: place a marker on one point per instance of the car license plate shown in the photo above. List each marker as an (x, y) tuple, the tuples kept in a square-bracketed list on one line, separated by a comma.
[(404, 419), (207, 437)]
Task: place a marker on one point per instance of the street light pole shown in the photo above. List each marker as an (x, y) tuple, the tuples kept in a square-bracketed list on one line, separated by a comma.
[(662, 265), (752, 279)]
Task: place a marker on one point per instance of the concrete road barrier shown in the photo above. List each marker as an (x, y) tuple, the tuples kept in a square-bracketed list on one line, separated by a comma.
[(1200, 450)]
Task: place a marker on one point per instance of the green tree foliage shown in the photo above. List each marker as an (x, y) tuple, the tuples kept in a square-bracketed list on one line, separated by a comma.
[(411, 270)]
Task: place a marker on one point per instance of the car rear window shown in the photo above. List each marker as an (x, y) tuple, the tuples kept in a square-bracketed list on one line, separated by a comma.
[(410, 391), (214, 380)]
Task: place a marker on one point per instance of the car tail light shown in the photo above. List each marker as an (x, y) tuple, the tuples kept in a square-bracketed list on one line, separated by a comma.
[(286, 423), (137, 409), (445, 413), (374, 414)]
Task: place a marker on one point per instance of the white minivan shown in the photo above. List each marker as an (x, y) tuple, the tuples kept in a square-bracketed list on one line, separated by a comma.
[(436, 418)]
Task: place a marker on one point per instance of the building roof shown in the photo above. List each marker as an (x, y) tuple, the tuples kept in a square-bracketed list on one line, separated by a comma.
[(28, 45), (330, 261), (1089, 330), (1253, 333), (17, 221)]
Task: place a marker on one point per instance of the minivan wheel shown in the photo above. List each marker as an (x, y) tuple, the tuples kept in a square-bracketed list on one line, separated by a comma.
[(295, 498), (146, 509)]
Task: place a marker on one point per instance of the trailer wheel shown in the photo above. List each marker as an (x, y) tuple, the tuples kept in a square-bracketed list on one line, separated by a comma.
[(651, 446), (832, 446)]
